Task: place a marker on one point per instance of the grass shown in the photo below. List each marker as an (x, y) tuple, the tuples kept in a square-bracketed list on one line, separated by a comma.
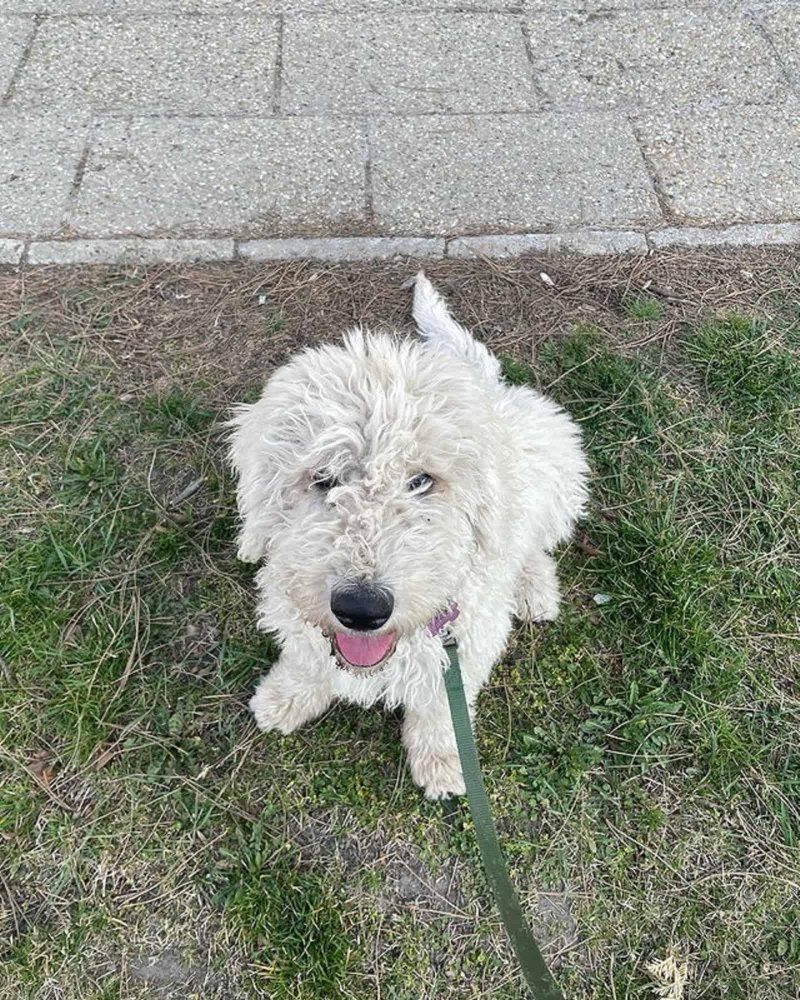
[(644, 308), (641, 753)]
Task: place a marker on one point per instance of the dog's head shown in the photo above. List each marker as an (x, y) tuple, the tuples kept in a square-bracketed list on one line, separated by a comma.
[(369, 479)]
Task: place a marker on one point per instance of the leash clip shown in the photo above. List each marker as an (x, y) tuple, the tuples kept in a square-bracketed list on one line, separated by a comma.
[(448, 636)]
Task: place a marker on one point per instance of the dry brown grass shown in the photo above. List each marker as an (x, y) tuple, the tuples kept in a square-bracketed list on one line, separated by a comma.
[(231, 323)]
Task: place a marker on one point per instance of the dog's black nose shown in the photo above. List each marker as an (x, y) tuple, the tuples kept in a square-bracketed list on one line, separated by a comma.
[(362, 606)]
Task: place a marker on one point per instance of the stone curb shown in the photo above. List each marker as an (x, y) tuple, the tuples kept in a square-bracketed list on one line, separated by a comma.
[(760, 234), (586, 242), (130, 251), (590, 243), (11, 251), (344, 248)]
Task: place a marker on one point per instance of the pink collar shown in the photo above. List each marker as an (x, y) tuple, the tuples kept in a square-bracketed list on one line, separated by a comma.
[(438, 622)]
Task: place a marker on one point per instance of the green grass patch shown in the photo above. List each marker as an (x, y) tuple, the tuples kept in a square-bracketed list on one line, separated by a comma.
[(748, 367), (641, 752), (290, 917), (644, 308), (176, 412)]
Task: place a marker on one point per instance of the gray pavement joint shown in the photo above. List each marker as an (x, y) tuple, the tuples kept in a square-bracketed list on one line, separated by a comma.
[(369, 188), (760, 25), (664, 204), (80, 170), (277, 84), (23, 60), (538, 89)]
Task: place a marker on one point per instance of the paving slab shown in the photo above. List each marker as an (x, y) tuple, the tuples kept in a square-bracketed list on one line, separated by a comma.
[(236, 177), (14, 35), (654, 58), (130, 251), (134, 7), (39, 156), (409, 63), (455, 174), (357, 128), (732, 166), (342, 248), (165, 64)]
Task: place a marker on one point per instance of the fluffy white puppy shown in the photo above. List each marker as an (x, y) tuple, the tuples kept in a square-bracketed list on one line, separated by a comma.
[(385, 483)]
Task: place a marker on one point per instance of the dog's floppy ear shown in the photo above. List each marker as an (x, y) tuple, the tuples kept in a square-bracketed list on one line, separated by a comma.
[(255, 455), (438, 328)]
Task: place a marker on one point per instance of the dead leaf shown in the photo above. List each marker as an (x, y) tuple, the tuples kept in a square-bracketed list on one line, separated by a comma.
[(587, 546), (104, 757), (6, 671), (43, 768), (39, 760)]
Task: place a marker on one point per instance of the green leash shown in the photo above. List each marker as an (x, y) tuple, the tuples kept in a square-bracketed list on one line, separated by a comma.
[(537, 976)]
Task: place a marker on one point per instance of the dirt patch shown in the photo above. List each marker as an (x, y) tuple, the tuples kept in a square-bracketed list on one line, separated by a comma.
[(20, 912), (228, 325), (165, 969), (195, 648), (407, 880), (407, 883), (553, 923)]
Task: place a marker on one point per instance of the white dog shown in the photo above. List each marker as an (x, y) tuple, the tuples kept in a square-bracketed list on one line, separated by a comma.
[(385, 484)]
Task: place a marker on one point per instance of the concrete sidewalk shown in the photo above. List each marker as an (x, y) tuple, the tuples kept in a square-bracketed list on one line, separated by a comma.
[(164, 129)]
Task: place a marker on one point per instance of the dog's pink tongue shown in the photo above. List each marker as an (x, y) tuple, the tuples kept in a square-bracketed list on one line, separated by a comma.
[(363, 650)]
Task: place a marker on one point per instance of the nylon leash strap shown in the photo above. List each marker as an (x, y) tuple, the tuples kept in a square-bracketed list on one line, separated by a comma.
[(536, 973)]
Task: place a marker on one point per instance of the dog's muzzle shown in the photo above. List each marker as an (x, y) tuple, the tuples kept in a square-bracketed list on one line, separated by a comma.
[(364, 651), (362, 607)]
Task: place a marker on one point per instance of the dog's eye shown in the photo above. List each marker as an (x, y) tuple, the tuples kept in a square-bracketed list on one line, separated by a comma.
[(323, 482), (421, 483)]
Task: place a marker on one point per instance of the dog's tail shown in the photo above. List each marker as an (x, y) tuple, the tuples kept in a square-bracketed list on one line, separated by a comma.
[(438, 327)]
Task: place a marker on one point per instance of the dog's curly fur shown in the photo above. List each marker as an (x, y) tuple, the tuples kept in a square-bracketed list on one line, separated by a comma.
[(509, 481)]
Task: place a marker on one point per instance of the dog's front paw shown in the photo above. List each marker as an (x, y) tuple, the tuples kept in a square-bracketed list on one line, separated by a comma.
[(438, 774), (274, 708), (543, 606), (538, 603), (538, 594)]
